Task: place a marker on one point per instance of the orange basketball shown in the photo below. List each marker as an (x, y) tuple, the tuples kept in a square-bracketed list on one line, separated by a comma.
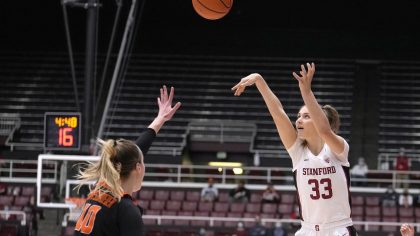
[(212, 9)]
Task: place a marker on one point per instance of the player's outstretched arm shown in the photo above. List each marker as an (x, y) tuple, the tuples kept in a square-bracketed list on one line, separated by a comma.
[(284, 126), (335, 142), (166, 111), (407, 230)]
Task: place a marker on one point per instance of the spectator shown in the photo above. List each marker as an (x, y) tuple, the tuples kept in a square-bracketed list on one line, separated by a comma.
[(240, 193), (209, 193), (405, 199), (402, 163), (279, 230), (359, 171), (16, 191), (3, 189), (6, 214), (202, 232), (258, 229), (416, 201), (270, 195), (390, 198), (240, 230)]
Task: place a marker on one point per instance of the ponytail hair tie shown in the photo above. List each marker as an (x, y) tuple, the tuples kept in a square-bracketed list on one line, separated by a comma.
[(115, 143)]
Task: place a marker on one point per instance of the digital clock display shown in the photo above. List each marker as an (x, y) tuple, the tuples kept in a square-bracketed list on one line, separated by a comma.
[(62, 131)]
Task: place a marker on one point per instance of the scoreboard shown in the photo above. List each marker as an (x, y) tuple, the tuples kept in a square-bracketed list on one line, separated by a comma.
[(62, 131)]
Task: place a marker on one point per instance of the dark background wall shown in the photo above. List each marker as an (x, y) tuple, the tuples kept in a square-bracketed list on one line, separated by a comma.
[(360, 30), (337, 29)]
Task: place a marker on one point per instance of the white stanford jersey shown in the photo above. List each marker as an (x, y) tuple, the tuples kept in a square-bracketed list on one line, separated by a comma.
[(322, 183)]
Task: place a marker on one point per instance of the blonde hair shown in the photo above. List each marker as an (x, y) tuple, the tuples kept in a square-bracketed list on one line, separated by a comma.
[(117, 159)]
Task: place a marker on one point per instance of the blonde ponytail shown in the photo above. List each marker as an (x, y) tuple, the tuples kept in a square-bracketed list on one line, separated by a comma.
[(118, 158)]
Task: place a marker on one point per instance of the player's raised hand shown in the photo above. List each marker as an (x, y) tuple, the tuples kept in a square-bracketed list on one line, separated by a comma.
[(166, 111), (305, 78), (249, 80), (407, 230)]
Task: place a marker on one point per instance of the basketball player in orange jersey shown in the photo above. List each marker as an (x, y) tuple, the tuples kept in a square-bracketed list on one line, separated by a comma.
[(109, 209), (319, 157)]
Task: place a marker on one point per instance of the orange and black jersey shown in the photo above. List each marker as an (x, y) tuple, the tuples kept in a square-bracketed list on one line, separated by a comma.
[(103, 215)]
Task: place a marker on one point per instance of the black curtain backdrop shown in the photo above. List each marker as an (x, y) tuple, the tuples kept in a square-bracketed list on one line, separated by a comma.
[(336, 29)]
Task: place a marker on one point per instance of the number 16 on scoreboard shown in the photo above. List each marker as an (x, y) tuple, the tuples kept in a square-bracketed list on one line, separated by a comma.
[(62, 131)]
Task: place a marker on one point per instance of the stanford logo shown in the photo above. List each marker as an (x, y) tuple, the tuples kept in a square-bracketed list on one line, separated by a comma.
[(317, 227), (327, 160)]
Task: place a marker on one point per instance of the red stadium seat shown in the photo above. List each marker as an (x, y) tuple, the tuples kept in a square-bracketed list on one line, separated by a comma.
[(285, 209), (217, 223), (162, 195), (267, 216), (183, 222), (232, 223), (199, 222), (223, 197), (388, 228), (406, 212), (144, 204), (157, 205), (288, 198), (357, 200), (237, 207), (374, 219), (173, 205), (205, 206), (28, 190), (221, 207), (270, 208), (389, 211), (253, 207), (407, 219), (146, 194), (357, 211), (193, 196), (6, 200), (177, 195), (21, 201), (372, 201), (168, 221), (373, 211), (189, 206), (249, 224), (256, 197)]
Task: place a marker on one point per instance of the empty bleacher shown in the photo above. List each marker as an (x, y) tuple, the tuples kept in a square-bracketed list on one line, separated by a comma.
[(399, 102), (32, 85), (202, 84)]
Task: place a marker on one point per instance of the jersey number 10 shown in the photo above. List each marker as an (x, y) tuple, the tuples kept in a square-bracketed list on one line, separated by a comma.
[(86, 220)]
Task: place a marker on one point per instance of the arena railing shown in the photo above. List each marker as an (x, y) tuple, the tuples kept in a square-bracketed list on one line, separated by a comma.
[(211, 220), (17, 213), (25, 171), (170, 173)]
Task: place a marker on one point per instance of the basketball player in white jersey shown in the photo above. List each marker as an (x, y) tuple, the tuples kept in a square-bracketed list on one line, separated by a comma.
[(319, 157)]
